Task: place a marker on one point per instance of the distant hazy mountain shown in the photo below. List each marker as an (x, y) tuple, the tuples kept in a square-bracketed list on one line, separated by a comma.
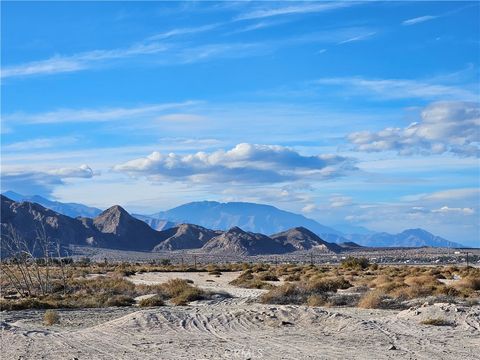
[(155, 223), (69, 209), (300, 238), (407, 238), (252, 217)]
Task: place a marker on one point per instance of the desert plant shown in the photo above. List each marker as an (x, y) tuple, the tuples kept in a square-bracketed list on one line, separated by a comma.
[(151, 301), (51, 317), (436, 322), (371, 300), (352, 262)]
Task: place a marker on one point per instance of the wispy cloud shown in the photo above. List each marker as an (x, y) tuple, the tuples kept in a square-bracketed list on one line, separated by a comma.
[(183, 31), (419, 20), (398, 88), (95, 115), (357, 38), (85, 60), (301, 8), (41, 143)]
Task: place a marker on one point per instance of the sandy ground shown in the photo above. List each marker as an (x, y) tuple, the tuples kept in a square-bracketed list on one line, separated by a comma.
[(239, 328)]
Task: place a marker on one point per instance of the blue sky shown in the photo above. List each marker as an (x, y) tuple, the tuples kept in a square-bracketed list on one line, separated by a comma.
[(360, 113)]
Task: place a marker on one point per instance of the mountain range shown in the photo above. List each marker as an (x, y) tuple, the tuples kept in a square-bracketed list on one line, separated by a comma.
[(254, 218), (30, 225)]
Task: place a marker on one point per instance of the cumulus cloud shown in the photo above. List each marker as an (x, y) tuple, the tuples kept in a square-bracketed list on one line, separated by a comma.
[(42, 182), (444, 127), (245, 163)]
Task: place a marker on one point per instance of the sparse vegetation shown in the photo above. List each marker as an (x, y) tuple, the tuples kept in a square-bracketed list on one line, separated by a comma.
[(437, 322), (152, 301), (51, 317)]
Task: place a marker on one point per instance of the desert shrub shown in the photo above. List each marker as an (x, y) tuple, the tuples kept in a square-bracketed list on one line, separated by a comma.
[(267, 277), (189, 294), (151, 301), (292, 277), (284, 294), (51, 317), (181, 292), (301, 292), (371, 300), (316, 300), (119, 300), (215, 272), (352, 262), (437, 322), (321, 285), (23, 304), (470, 282), (249, 281)]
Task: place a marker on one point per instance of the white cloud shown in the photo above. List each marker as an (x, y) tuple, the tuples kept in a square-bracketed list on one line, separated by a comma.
[(448, 210), (41, 143), (444, 127), (95, 115), (419, 20), (245, 163), (81, 61), (357, 38), (340, 201), (301, 8), (397, 88), (309, 208), (42, 182)]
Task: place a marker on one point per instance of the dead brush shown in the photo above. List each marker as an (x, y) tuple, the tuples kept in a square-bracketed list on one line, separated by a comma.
[(51, 317)]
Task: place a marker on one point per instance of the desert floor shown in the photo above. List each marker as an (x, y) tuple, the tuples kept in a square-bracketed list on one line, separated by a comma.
[(240, 328)]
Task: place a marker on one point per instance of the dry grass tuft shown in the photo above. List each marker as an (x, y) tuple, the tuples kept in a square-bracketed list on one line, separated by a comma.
[(151, 301), (51, 317), (437, 322), (371, 300)]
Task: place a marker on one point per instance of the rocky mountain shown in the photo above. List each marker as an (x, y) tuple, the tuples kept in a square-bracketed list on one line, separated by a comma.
[(69, 209), (239, 242), (114, 228), (185, 236), (252, 217), (300, 238), (124, 231), (35, 224), (154, 223)]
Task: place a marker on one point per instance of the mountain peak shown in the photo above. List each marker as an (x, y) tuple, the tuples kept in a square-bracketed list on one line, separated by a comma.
[(235, 230)]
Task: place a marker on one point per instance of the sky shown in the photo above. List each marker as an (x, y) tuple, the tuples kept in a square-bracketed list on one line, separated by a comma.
[(351, 113)]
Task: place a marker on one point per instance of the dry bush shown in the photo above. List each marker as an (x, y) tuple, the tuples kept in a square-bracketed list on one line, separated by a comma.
[(151, 301), (299, 293), (249, 281), (267, 276), (51, 317), (181, 292), (292, 277), (437, 322), (119, 300), (355, 263), (316, 300), (470, 282), (371, 300)]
